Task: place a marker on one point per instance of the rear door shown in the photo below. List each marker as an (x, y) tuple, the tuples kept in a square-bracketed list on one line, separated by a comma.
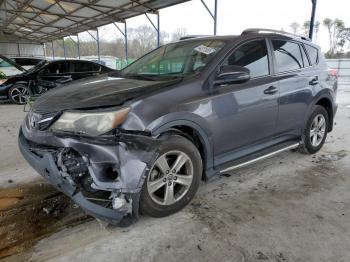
[(291, 63), (246, 113)]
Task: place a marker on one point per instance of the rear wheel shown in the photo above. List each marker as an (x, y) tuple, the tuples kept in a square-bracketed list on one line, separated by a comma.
[(315, 132), (18, 94), (173, 179)]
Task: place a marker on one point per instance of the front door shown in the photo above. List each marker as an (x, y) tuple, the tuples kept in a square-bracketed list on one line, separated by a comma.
[(245, 113)]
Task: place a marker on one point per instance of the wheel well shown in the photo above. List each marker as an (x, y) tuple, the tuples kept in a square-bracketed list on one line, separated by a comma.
[(327, 104), (194, 136)]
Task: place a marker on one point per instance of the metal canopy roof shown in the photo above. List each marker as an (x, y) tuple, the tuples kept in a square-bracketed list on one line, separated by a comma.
[(47, 20)]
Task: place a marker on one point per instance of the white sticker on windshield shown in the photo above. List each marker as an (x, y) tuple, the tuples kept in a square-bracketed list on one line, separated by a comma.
[(205, 49)]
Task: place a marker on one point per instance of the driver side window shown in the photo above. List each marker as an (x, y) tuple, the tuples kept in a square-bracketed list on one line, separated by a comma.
[(252, 55)]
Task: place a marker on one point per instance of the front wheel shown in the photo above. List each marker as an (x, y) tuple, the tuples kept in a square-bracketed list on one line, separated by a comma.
[(315, 132), (173, 178)]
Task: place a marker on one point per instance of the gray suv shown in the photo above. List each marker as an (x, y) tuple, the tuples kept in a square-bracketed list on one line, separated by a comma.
[(143, 138)]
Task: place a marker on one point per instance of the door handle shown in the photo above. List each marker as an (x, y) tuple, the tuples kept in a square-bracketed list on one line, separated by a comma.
[(314, 81), (271, 90)]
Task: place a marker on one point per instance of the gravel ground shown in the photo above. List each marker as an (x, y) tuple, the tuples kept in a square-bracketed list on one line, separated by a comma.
[(291, 207)]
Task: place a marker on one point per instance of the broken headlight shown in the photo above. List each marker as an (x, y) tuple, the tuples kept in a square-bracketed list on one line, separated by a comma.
[(93, 124)]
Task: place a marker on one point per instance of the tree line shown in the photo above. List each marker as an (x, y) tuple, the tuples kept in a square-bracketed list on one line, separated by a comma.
[(338, 35), (140, 41)]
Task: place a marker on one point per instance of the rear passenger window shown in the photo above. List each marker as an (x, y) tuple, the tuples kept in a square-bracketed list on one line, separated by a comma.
[(252, 55), (287, 55), (313, 54)]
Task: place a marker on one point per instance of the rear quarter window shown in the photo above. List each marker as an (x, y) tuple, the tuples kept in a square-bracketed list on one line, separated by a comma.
[(313, 54)]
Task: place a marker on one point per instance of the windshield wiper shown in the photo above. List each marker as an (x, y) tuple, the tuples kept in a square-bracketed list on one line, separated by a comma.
[(140, 77)]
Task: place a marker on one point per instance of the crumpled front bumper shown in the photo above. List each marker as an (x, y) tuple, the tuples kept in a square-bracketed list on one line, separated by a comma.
[(46, 167), (129, 154)]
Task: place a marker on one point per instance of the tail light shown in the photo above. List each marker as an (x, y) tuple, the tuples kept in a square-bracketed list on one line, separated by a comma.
[(333, 72)]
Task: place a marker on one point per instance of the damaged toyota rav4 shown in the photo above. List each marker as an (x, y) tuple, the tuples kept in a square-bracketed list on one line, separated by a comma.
[(142, 139)]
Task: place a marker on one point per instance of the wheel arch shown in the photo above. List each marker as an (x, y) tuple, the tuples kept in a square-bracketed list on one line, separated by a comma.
[(325, 100), (197, 133)]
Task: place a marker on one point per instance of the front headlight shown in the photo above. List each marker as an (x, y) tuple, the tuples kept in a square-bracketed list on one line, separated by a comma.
[(3, 81), (92, 124)]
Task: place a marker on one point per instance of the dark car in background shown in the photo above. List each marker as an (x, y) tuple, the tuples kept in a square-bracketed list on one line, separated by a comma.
[(143, 138), (46, 75)]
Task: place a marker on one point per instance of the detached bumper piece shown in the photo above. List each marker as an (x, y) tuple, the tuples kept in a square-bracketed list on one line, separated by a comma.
[(116, 208)]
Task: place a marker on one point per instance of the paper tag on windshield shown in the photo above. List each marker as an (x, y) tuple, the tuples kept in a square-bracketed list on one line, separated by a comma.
[(205, 49)]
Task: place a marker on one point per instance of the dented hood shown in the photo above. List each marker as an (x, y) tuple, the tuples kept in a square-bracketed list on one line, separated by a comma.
[(94, 92)]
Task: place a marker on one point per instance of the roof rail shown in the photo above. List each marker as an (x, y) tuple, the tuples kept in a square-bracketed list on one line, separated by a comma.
[(192, 36), (258, 30)]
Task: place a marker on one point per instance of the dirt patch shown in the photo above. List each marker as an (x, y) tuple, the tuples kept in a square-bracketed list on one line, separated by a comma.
[(331, 157), (30, 212)]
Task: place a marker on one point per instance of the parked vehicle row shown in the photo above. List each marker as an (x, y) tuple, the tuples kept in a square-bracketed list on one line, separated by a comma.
[(143, 138)]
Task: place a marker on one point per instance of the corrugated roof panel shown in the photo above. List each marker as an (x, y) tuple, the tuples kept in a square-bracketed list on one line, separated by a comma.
[(48, 17), (63, 23), (43, 4), (71, 16), (114, 3), (87, 12)]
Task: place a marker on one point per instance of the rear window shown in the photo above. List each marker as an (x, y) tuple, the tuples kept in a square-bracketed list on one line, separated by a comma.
[(287, 55), (80, 66), (313, 54)]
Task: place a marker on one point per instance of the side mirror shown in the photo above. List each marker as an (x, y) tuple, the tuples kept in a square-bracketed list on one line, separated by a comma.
[(230, 74)]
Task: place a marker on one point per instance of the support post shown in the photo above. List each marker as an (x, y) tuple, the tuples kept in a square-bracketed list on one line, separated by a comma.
[(18, 49), (158, 31), (214, 16), (125, 34), (44, 49), (126, 43), (157, 28), (98, 45), (53, 52), (78, 46), (64, 50), (312, 20)]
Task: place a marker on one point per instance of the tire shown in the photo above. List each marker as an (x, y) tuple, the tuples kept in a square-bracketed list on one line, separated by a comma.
[(172, 149), (310, 146), (18, 94)]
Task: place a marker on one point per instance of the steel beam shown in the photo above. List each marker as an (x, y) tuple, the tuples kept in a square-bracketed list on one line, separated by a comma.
[(312, 20), (213, 15)]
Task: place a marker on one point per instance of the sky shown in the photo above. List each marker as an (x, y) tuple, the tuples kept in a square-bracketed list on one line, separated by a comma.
[(234, 16)]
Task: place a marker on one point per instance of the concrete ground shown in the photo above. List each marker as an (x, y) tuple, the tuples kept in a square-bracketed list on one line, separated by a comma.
[(291, 207)]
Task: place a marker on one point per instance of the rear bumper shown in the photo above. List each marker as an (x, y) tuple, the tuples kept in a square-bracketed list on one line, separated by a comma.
[(46, 167)]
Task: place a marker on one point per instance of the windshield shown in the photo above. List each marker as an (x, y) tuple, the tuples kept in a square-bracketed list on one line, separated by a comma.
[(175, 60), (37, 66)]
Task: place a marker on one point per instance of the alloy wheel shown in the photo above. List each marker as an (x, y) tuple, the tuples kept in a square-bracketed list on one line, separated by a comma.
[(19, 94), (170, 178), (317, 130)]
